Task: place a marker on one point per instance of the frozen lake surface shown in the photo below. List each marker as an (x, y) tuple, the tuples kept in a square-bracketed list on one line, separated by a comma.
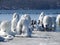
[(38, 38)]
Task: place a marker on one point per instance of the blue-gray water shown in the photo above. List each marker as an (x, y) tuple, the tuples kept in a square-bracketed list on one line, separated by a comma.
[(34, 14), (7, 14)]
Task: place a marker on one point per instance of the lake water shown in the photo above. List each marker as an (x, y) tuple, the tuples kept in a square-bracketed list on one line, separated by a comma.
[(7, 14), (34, 14)]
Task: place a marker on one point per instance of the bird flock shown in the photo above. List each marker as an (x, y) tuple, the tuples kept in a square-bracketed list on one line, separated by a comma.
[(24, 25)]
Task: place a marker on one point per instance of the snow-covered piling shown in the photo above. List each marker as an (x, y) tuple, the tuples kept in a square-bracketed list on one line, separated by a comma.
[(5, 30), (58, 23), (41, 18), (23, 25), (40, 21), (47, 22), (5, 26), (14, 22)]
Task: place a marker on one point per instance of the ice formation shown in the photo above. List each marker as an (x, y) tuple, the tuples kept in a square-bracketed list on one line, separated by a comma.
[(47, 22), (40, 21), (4, 30), (14, 21), (41, 18), (23, 26), (58, 23)]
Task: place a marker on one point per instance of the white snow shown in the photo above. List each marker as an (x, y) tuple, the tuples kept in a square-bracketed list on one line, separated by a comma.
[(38, 38)]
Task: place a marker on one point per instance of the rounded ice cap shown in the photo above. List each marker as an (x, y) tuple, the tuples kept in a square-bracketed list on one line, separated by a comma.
[(42, 13), (15, 15), (47, 19)]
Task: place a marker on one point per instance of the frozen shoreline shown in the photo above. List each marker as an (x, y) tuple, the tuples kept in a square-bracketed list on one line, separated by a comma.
[(38, 38)]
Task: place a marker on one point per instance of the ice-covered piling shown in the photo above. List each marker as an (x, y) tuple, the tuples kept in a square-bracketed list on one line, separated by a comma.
[(58, 23), (23, 26), (14, 22), (40, 21), (5, 26), (47, 22), (41, 18)]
